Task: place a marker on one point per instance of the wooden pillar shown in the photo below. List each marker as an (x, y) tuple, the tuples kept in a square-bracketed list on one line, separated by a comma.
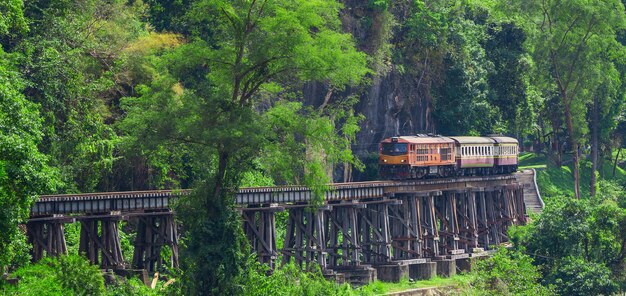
[(100, 241), (429, 223), (482, 220), (466, 214), (155, 230), (47, 238), (447, 222), (343, 244), (305, 238), (374, 233), (36, 237), (405, 223)]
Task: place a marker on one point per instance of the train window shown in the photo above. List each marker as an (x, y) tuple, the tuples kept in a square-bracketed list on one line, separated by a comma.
[(394, 148)]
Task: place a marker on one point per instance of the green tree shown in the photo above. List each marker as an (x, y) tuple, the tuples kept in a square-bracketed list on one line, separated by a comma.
[(568, 39), (218, 100), (469, 63), (575, 276), (579, 244), (24, 172), (508, 273), (66, 275), (72, 60)]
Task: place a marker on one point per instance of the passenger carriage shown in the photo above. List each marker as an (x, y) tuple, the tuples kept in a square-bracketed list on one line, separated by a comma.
[(505, 156), (474, 155)]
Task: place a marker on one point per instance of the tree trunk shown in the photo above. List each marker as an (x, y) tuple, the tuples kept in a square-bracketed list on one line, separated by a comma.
[(594, 147), (573, 146), (219, 178), (616, 158)]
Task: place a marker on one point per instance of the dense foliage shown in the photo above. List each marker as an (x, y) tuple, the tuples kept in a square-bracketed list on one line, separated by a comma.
[(215, 95), (62, 276), (580, 244), (508, 273)]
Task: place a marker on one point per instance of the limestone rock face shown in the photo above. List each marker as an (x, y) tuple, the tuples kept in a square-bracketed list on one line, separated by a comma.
[(397, 101)]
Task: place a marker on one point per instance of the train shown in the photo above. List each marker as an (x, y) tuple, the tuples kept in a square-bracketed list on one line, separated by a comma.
[(434, 156)]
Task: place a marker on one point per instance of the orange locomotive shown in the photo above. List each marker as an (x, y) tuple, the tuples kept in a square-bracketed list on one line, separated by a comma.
[(416, 157)]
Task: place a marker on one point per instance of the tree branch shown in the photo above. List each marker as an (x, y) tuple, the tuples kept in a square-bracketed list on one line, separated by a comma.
[(578, 50)]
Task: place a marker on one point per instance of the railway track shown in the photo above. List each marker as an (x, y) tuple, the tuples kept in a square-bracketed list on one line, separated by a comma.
[(130, 201)]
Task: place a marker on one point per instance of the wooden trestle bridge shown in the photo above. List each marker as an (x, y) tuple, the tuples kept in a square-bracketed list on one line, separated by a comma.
[(395, 227)]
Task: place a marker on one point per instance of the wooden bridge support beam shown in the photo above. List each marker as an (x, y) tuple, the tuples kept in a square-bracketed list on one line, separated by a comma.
[(446, 213), (468, 223), (406, 226), (430, 234), (305, 238), (155, 230), (343, 244), (100, 241), (260, 227), (46, 237), (374, 236)]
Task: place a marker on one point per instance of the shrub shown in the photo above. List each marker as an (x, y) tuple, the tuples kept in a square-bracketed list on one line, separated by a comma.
[(288, 280), (67, 275), (575, 276), (508, 273)]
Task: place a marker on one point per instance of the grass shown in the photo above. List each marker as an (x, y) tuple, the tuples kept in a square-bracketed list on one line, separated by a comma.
[(553, 180), (529, 160), (454, 283)]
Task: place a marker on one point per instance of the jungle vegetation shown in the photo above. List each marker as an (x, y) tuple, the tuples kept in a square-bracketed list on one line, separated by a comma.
[(214, 95)]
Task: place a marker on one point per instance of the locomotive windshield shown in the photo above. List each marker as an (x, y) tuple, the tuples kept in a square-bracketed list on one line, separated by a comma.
[(394, 148)]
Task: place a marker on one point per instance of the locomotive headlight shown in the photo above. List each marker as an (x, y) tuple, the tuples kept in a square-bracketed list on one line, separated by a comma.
[(402, 160), (384, 160)]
